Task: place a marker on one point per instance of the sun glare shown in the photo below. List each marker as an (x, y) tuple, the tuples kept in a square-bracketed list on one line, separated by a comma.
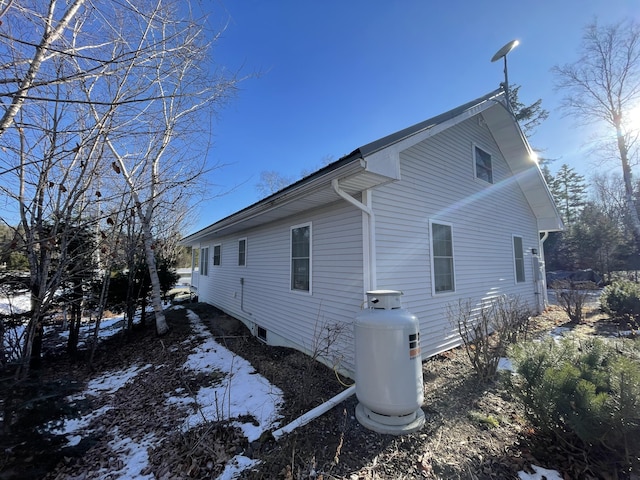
[(632, 120)]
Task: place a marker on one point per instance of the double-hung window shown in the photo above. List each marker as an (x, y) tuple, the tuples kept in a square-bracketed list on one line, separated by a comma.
[(242, 252), (204, 261), (442, 255), (301, 258), (518, 257), (217, 253), (195, 259), (483, 165)]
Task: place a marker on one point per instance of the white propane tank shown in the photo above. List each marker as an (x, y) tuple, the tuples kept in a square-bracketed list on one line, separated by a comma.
[(388, 365)]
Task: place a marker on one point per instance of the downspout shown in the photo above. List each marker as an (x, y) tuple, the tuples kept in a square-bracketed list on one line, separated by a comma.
[(545, 295), (369, 284), (370, 250)]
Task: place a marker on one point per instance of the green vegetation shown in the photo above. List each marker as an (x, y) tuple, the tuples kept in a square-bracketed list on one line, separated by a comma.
[(621, 300), (584, 395), (487, 421)]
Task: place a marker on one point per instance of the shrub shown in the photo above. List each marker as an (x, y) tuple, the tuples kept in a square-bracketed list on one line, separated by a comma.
[(572, 296), (585, 395), (488, 329), (621, 299)]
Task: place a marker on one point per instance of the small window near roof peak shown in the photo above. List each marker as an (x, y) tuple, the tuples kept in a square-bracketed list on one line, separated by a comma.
[(483, 165)]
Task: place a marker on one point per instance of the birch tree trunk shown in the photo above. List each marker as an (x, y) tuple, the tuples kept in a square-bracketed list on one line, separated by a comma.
[(51, 33), (156, 293), (104, 99)]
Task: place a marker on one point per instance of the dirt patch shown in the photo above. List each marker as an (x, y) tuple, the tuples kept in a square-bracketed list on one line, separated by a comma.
[(472, 430)]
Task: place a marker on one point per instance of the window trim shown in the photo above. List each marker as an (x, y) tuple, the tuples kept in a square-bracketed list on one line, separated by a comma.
[(218, 257), (515, 260), (432, 256), (261, 333), (310, 279), (243, 252), (195, 259), (474, 148), (204, 261)]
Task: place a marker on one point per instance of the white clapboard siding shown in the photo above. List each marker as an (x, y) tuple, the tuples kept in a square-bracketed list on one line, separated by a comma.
[(438, 184), (294, 318)]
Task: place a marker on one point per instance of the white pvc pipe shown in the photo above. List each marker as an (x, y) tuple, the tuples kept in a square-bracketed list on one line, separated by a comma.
[(316, 412)]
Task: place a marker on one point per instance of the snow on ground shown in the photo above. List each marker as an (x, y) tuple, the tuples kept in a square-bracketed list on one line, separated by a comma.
[(14, 337), (111, 382), (505, 364), (540, 474), (241, 393), (15, 303)]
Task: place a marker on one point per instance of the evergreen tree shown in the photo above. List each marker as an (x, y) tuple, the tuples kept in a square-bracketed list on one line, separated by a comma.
[(12, 255), (528, 116), (595, 240), (569, 191)]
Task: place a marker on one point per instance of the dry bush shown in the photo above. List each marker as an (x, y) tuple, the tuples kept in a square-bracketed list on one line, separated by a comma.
[(572, 297), (488, 329)]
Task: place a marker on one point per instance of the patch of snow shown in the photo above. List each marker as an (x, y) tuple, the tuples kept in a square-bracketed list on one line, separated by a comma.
[(13, 337), (76, 427), (184, 402), (111, 382), (108, 326), (73, 440), (134, 455), (540, 474), (242, 392), (235, 466), (505, 364), (559, 332), (15, 304)]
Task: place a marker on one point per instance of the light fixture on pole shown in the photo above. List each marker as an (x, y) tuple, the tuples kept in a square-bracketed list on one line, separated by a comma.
[(502, 53)]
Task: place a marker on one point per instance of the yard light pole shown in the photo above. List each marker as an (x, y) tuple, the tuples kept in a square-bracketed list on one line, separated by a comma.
[(502, 53)]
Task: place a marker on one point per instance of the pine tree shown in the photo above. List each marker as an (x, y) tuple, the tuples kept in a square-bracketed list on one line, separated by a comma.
[(569, 191), (528, 116)]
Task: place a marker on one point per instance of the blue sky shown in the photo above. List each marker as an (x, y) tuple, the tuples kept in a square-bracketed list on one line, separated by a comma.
[(331, 76)]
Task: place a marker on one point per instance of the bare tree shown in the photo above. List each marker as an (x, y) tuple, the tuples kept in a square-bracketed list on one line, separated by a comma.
[(150, 138), (111, 127), (52, 18), (603, 86), (608, 193), (271, 181), (52, 155)]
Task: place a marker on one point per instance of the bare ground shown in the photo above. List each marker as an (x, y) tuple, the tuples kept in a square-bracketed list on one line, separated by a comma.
[(472, 430)]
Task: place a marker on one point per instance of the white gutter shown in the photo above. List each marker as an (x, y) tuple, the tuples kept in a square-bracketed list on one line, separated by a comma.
[(369, 243), (316, 412)]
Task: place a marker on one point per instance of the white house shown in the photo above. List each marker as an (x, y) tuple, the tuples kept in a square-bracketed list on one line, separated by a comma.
[(451, 208)]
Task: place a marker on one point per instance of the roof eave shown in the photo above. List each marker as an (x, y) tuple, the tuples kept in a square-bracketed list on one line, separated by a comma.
[(524, 167)]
